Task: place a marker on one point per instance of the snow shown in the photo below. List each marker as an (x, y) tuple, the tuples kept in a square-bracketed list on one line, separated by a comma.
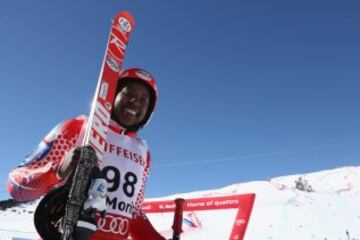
[(280, 211), (17, 222)]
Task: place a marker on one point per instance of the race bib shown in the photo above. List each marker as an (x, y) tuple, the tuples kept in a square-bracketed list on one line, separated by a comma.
[(123, 166)]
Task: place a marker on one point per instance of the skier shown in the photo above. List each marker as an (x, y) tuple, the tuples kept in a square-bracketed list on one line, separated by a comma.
[(117, 185)]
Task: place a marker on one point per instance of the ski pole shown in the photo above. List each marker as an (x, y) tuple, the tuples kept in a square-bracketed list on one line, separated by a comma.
[(178, 218)]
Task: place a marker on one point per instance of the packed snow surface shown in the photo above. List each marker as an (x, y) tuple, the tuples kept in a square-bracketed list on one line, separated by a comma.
[(326, 205)]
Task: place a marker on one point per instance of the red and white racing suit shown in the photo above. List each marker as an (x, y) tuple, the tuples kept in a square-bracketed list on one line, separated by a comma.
[(125, 163)]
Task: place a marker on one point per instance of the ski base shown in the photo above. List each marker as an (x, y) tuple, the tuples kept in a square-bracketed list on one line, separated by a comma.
[(77, 193)]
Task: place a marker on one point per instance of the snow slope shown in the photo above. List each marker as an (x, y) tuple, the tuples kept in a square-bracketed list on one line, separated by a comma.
[(331, 211)]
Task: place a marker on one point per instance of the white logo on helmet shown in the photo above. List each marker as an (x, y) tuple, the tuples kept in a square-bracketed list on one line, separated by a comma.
[(124, 74), (124, 24), (113, 64), (143, 75)]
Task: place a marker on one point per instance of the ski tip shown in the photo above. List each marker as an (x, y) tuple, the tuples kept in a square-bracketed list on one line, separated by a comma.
[(127, 15)]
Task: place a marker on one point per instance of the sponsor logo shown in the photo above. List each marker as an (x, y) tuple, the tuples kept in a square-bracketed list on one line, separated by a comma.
[(240, 221), (99, 128), (124, 24), (114, 224), (101, 188), (143, 75), (104, 90), (108, 105), (113, 64), (119, 48), (123, 152)]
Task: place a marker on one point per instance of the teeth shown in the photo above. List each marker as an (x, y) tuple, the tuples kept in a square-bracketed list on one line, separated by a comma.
[(130, 111)]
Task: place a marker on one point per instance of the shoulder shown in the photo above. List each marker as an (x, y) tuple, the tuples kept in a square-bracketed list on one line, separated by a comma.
[(142, 142), (70, 128), (75, 123)]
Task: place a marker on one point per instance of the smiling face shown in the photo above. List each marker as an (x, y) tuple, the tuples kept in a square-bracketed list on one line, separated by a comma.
[(131, 104)]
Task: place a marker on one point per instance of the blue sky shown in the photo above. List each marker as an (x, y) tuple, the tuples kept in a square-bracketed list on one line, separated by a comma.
[(248, 89)]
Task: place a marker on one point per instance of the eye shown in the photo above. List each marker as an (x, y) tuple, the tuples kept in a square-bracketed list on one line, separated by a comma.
[(128, 94), (144, 100)]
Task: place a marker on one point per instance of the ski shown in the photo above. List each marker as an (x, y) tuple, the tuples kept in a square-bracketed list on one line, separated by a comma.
[(99, 119), (100, 113), (77, 193), (73, 193)]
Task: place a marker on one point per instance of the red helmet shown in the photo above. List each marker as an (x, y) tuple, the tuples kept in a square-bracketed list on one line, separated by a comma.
[(144, 77)]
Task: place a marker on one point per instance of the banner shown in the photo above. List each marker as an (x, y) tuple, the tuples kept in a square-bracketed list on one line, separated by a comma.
[(224, 217)]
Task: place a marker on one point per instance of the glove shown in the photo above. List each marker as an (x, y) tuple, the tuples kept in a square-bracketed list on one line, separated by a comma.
[(69, 163)]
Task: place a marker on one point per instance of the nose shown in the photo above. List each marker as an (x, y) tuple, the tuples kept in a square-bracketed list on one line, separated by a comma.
[(135, 100)]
